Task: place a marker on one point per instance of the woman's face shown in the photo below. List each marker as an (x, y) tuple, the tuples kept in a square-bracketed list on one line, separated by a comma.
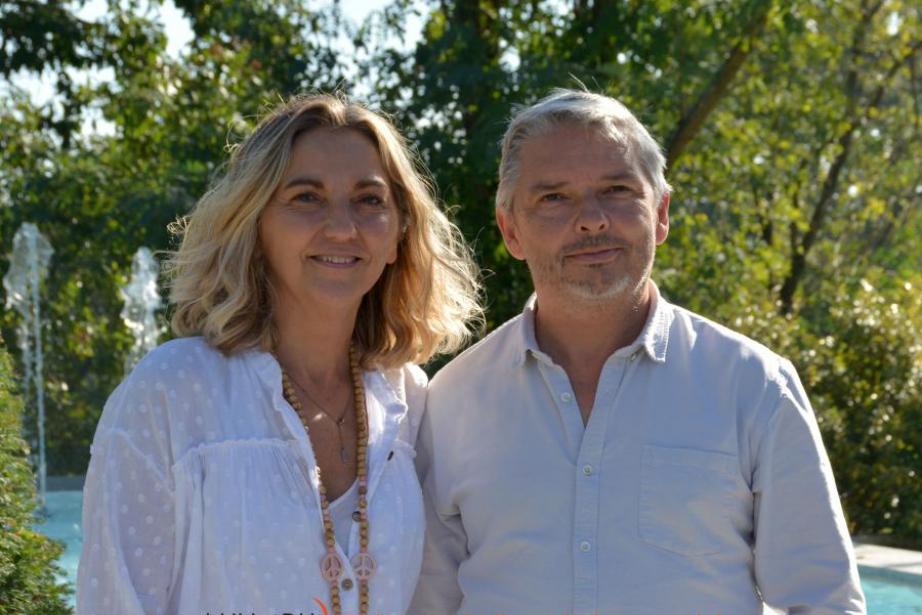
[(332, 225)]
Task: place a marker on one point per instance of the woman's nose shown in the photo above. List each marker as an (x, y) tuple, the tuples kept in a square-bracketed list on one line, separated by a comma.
[(339, 222)]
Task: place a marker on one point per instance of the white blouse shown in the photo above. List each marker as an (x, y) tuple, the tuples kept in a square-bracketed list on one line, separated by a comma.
[(201, 494)]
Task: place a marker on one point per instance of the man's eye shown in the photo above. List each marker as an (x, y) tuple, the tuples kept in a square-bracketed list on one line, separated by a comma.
[(552, 197), (617, 189)]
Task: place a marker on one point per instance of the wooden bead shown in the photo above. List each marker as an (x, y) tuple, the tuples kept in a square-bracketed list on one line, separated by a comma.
[(361, 459)]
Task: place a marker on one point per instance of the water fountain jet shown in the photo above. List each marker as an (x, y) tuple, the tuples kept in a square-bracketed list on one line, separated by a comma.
[(142, 300), (28, 267)]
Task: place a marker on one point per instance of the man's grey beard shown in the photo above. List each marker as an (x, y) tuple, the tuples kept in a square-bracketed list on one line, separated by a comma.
[(625, 286), (592, 292)]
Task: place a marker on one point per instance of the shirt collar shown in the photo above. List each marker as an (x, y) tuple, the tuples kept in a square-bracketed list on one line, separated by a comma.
[(653, 338), (385, 404), (385, 397)]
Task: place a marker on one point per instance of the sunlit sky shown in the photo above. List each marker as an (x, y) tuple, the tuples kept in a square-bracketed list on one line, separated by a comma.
[(179, 33)]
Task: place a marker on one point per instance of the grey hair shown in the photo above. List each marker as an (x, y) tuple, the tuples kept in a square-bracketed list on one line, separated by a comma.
[(586, 109)]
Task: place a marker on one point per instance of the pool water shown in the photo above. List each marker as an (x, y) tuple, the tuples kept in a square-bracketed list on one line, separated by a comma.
[(62, 522), (885, 596)]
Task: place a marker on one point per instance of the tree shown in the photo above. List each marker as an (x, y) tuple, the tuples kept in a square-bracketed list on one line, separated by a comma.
[(27, 584), (792, 132), (792, 129), (99, 198)]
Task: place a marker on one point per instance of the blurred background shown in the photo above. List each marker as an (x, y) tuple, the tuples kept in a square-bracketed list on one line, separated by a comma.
[(793, 132)]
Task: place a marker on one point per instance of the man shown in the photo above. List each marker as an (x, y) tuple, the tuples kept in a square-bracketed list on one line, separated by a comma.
[(606, 452)]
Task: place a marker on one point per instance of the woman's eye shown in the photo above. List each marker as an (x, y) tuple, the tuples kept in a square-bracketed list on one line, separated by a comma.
[(372, 200), (306, 197)]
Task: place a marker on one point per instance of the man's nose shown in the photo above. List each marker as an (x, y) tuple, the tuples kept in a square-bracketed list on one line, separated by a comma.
[(593, 217)]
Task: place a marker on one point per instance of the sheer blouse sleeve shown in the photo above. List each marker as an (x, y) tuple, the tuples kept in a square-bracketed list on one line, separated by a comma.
[(127, 561)]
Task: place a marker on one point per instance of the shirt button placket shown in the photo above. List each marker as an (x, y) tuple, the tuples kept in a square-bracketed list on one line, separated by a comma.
[(586, 523)]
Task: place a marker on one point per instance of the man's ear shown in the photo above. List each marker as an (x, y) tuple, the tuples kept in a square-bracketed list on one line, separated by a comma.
[(662, 219), (506, 223)]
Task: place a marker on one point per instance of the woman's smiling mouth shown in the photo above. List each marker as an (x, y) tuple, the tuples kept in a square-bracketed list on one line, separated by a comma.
[(335, 261)]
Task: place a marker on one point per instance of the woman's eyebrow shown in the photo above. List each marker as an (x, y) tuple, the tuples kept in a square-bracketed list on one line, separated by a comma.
[(303, 181), (371, 182)]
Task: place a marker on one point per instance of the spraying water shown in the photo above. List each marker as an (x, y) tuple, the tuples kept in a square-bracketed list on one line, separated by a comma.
[(142, 300), (28, 267)]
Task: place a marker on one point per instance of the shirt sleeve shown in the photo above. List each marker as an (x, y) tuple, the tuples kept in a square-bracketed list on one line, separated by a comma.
[(804, 560), (438, 591), (128, 509)]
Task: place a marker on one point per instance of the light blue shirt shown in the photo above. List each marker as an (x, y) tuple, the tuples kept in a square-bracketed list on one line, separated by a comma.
[(699, 485)]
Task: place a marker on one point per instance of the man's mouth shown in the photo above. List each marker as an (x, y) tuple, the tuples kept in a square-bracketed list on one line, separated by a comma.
[(595, 255)]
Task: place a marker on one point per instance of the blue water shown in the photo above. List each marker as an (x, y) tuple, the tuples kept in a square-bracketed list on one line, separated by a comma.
[(885, 596), (891, 597), (62, 522)]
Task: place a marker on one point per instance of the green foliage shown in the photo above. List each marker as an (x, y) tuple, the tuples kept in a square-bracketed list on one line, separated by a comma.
[(800, 180), (866, 380), (860, 357), (793, 129), (27, 583), (99, 199)]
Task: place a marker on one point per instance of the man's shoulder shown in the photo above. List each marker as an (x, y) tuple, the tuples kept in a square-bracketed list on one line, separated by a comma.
[(495, 351), (708, 340)]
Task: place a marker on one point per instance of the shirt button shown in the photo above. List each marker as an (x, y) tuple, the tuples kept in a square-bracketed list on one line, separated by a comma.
[(566, 398), (587, 470), (635, 355), (585, 546), (356, 516), (347, 584)]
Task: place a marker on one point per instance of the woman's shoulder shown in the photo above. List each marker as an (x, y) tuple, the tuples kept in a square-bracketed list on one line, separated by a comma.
[(180, 351), (180, 363), (177, 371)]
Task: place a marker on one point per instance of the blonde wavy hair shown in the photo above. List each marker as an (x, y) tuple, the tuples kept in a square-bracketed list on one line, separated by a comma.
[(425, 303)]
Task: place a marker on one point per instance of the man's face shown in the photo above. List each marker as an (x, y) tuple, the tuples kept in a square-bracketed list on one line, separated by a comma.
[(583, 217)]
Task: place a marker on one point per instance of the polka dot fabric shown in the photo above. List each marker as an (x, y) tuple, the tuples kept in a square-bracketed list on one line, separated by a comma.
[(201, 494)]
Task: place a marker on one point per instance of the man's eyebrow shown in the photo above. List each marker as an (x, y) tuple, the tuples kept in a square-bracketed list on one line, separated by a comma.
[(613, 177), (546, 186), (626, 176)]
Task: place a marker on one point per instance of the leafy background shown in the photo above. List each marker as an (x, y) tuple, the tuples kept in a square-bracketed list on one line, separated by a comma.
[(792, 131)]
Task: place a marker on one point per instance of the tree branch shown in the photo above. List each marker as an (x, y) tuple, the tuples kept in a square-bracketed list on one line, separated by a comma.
[(831, 182), (693, 119)]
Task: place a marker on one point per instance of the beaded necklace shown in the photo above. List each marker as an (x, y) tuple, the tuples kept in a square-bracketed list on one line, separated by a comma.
[(363, 564)]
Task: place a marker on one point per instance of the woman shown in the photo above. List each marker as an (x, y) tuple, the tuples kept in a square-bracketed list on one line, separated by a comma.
[(262, 463)]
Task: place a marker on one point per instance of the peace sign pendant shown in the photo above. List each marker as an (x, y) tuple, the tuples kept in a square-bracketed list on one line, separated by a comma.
[(331, 567), (364, 565)]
